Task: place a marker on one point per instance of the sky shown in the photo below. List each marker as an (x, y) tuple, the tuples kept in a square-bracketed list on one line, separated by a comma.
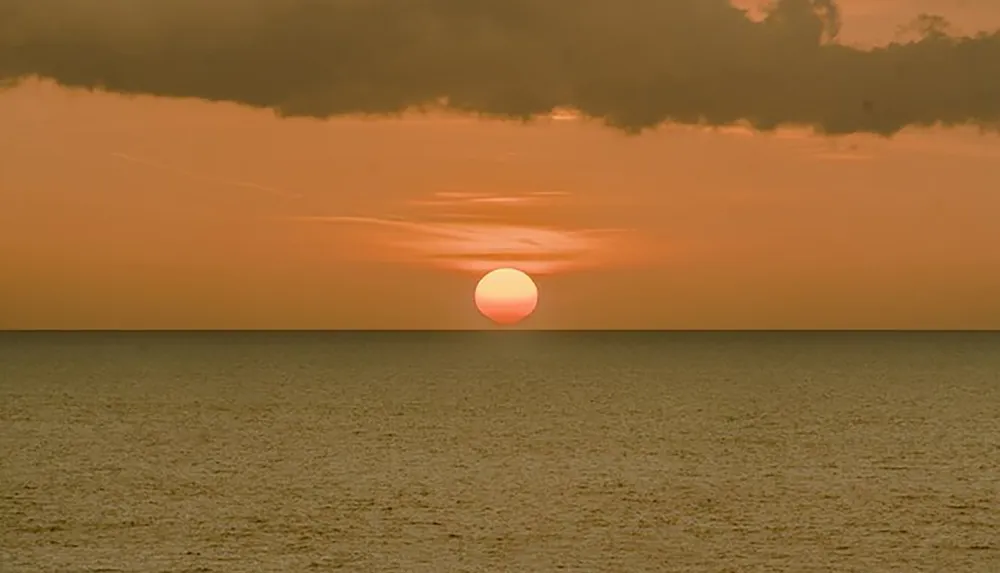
[(676, 164)]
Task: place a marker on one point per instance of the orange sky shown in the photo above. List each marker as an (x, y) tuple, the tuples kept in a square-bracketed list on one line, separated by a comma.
[(145, 212)]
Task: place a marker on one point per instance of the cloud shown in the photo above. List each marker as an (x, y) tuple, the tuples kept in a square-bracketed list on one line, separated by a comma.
[(476, 198), (850, 155), (478, 246), (191, 175), (466, 238), (631, 63)]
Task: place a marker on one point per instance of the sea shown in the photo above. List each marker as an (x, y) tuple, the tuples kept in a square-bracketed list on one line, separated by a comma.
[(517, 451)]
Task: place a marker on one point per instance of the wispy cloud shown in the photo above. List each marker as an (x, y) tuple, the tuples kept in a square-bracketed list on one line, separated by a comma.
[(472, 243), (844, 156), (473, 198), (205, 178)]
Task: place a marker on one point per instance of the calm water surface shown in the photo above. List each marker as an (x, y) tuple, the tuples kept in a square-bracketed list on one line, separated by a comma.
[(523, 452)]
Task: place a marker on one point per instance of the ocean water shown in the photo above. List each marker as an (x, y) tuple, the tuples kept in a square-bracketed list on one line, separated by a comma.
[(512, 451)]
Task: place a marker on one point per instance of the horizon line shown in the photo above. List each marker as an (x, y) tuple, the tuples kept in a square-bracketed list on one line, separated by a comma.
[(487, 330)]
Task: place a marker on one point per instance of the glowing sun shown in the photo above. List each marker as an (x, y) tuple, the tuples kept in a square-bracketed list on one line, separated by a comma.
[(506, 296)]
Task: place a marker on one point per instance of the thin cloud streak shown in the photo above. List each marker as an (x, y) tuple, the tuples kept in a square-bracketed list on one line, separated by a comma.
[(208, 179), (843, 156), (471, 198), (479, 247)]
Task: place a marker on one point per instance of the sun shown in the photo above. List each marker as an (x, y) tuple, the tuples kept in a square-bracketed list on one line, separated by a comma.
[(506, 296)]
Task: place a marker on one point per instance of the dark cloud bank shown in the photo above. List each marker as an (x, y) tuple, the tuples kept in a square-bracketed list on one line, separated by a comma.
[(631, 63)]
